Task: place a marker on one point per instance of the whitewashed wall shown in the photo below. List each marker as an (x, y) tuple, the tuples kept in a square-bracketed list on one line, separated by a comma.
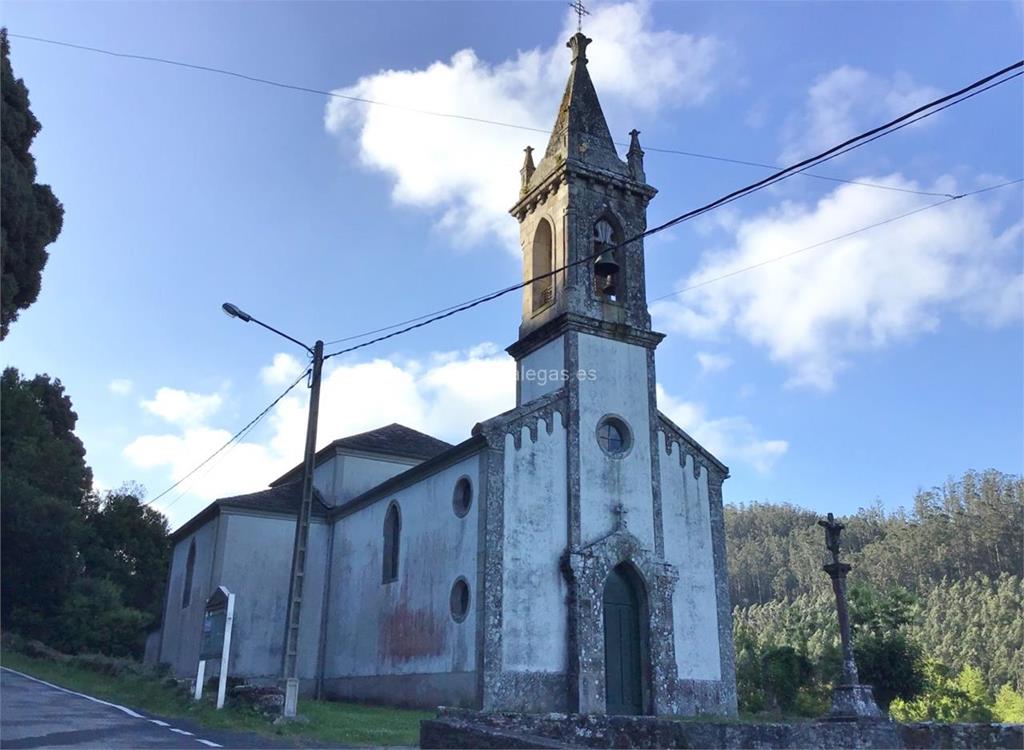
[(620, 389), (686, 516), (182, 627), (534, 617), (345, 476), (256, 567), (535, 370), (405, 627)]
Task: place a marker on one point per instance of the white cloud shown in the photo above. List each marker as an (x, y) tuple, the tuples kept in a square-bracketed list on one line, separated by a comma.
[(713, 362), (284, 369), (845, 101), (444, 395), (182, 407), (468, 173), (728, 438), (120, 386), (814, 310)]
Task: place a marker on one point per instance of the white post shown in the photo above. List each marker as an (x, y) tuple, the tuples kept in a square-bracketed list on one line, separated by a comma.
[(200, 676), (225, 652)]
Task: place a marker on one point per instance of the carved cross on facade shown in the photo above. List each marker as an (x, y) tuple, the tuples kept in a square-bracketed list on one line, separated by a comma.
[(620, 512), (581, 11)]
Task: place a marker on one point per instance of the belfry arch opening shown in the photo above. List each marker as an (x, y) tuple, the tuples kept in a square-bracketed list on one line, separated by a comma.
[(610, 287), (543, 262)]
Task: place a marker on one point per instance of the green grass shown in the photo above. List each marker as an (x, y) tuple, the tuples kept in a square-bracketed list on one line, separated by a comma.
[(329, 722)]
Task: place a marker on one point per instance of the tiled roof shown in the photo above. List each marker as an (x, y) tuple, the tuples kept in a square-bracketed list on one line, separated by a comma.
[(284, 498), (395, 439)]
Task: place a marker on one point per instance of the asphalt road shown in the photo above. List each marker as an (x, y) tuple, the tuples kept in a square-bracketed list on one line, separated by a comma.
[(34, 714)]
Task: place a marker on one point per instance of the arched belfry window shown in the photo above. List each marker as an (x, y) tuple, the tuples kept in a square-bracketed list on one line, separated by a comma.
[(190, 569), (392, 538), (608, 275), (542, 263)]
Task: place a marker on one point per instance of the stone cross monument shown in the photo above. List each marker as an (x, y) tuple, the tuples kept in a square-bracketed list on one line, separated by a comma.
[(850, 699)]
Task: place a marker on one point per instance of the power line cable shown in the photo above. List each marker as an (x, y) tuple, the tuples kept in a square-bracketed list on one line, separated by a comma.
[(816, 245), (236, 436), (892, 126), (857, 141), (434, 113)]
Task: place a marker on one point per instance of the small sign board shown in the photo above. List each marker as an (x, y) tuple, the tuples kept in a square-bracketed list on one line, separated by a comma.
[(214, 621), (215, 642)]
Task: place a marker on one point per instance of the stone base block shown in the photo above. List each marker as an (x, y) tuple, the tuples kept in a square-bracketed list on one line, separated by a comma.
[(852, 702)]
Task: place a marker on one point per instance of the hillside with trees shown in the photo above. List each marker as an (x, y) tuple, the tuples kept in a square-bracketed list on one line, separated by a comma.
[(935, 596)]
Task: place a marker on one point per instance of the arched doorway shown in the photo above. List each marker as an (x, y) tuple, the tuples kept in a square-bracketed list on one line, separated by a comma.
[(623, 647)]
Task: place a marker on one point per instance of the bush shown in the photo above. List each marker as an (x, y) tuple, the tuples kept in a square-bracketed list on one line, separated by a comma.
[(783, 671), (1009, 706), (95, 621), (890, 664), (948, 698)]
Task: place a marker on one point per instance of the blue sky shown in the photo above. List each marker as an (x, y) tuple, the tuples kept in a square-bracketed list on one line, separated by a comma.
[(862, 370)]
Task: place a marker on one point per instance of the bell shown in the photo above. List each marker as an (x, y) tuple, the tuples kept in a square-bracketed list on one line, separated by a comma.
[(608, 286), (606, 265)]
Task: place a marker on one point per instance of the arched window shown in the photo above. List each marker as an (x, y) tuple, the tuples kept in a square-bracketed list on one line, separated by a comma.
[(543, 262), (190, 569), (392, 537), (608, 286)]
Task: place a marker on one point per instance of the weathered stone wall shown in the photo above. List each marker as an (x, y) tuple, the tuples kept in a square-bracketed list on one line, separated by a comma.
[(686, 513), (255, 565), (535, 523), (374, 630), (182, 626), (458, 729), (344, 476)]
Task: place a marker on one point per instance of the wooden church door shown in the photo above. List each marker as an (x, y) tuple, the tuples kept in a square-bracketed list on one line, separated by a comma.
[(622, 657)]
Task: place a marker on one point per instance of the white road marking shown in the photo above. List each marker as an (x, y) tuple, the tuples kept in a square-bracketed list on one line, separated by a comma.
[(111, 705), (72, 692)]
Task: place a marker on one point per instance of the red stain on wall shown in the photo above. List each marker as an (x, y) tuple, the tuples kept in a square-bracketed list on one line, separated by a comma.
[(410, 633)]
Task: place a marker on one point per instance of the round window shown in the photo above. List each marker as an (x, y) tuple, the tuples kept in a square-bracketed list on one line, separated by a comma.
[(459, 599), (614, 437), (462, 498)]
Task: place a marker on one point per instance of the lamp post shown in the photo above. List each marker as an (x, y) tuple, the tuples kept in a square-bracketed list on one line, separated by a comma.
[(289, 667)]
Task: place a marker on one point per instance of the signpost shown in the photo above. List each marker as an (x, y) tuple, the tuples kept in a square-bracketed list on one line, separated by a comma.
[(216, 640)]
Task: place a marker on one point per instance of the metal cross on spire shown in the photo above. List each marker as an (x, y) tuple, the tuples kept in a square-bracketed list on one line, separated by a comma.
[(581, 11)]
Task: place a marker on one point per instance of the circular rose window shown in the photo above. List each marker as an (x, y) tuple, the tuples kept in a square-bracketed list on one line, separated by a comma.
[(614, 436)]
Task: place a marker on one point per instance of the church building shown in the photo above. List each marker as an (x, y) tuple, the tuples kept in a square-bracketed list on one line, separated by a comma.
[(568, 556)]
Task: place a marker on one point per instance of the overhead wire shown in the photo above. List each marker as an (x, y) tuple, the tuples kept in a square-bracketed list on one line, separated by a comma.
[(428, 112), (237, 436), (898, 123), (909, 118), (816, 245)]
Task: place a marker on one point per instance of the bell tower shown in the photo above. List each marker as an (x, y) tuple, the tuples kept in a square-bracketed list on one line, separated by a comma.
[(579, 211)]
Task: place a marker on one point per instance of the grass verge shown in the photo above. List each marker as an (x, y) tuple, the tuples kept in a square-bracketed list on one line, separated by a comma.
[(329, 722)]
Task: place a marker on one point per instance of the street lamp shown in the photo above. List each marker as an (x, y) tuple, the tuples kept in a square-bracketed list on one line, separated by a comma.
[(290, 660)]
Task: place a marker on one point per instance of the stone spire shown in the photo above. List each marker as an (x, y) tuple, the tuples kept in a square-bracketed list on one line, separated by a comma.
[(581, 132)]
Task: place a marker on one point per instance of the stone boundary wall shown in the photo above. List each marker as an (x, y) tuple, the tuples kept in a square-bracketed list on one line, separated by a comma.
[(458, 728)]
